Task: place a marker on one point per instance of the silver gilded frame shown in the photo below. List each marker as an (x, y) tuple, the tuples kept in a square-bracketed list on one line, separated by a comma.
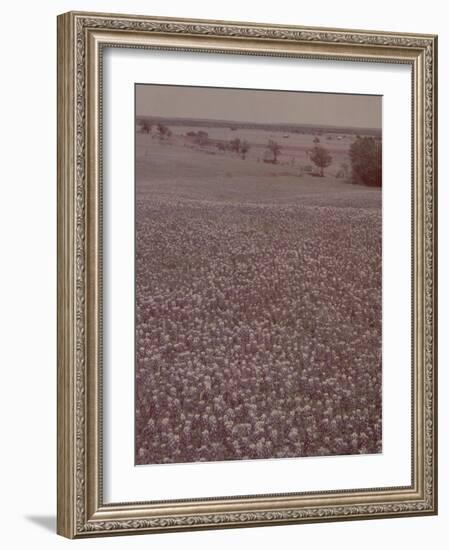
[(81, 40)]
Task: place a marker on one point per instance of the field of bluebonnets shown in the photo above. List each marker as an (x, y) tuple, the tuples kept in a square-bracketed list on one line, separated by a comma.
[(258, 308)]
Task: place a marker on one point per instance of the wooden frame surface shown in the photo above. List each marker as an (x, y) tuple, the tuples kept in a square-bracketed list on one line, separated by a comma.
[(81, 39)]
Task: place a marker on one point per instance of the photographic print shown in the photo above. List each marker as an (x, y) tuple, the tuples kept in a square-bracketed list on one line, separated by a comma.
[(258, 250)]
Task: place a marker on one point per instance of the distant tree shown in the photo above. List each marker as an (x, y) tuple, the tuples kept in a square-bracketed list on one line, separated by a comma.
[(146, 127), (275, 149), (235, 145), (316, 139), (321, 158), (244, 148), (202, 138), (366, 161), (162, 130)]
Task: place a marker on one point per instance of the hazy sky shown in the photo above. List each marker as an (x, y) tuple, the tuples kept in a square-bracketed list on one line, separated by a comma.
[(362, 111)]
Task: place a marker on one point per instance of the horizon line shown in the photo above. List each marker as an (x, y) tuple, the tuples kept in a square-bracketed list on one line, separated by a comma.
[(234, 121)]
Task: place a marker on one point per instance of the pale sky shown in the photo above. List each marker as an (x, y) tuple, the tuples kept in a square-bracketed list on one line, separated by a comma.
[(350, 110)]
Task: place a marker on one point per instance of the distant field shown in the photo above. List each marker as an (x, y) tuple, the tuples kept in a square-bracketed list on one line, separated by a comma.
[(258, 314), (294, 147)]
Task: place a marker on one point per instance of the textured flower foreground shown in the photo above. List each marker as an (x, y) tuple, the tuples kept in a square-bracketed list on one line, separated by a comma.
[(258, 319)]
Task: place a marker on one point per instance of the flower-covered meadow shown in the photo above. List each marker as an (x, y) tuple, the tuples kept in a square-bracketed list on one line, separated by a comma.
[(258, 319)]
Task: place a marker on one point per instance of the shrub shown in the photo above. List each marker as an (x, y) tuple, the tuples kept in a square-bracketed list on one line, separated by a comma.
[(244, 148), (164, 131), (146, 127), (202, 138)]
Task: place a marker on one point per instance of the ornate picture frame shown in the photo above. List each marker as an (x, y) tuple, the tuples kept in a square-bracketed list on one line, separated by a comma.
[(82, 40)]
